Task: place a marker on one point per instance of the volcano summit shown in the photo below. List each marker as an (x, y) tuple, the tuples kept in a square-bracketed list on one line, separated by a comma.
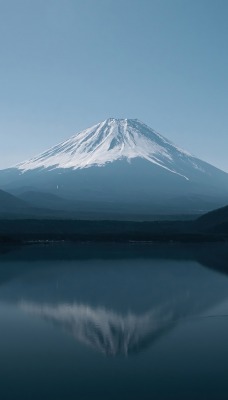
[(121, 166), (112, 140)]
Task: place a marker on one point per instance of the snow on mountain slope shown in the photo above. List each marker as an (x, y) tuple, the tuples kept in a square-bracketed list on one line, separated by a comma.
[(121, 166), (111, 140)]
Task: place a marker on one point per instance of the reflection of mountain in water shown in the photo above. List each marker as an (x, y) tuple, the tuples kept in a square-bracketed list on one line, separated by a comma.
[(160, 285), (106, 331)]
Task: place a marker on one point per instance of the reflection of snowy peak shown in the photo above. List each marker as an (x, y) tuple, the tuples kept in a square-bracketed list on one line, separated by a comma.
[(103, 330), (109, 141)]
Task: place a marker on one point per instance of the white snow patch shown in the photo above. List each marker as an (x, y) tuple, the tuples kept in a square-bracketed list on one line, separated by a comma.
[(109, 141)]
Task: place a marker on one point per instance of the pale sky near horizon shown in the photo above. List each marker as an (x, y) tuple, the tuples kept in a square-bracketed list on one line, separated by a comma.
[(68, 64)]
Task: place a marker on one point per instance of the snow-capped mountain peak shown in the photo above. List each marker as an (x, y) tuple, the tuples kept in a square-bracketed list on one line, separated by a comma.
[(108, 141), (120, 167)]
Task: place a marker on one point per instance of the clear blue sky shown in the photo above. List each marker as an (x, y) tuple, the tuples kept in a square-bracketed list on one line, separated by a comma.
[(67, 64)]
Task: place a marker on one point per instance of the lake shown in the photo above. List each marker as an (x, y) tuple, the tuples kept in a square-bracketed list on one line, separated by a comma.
[(137, 321)]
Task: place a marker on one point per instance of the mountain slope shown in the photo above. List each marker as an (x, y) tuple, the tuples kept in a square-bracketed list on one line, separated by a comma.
[(122, 166), (14, 207), (215, 221), (8, 202), (113, 140)]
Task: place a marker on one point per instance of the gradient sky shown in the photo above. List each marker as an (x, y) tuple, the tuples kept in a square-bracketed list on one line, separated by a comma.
[(67, 64)]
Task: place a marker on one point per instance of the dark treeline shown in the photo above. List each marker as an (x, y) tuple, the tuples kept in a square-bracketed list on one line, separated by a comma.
[(107, 231)]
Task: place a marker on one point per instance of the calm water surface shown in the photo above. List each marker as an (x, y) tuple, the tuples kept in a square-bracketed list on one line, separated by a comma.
[(114, 322)]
